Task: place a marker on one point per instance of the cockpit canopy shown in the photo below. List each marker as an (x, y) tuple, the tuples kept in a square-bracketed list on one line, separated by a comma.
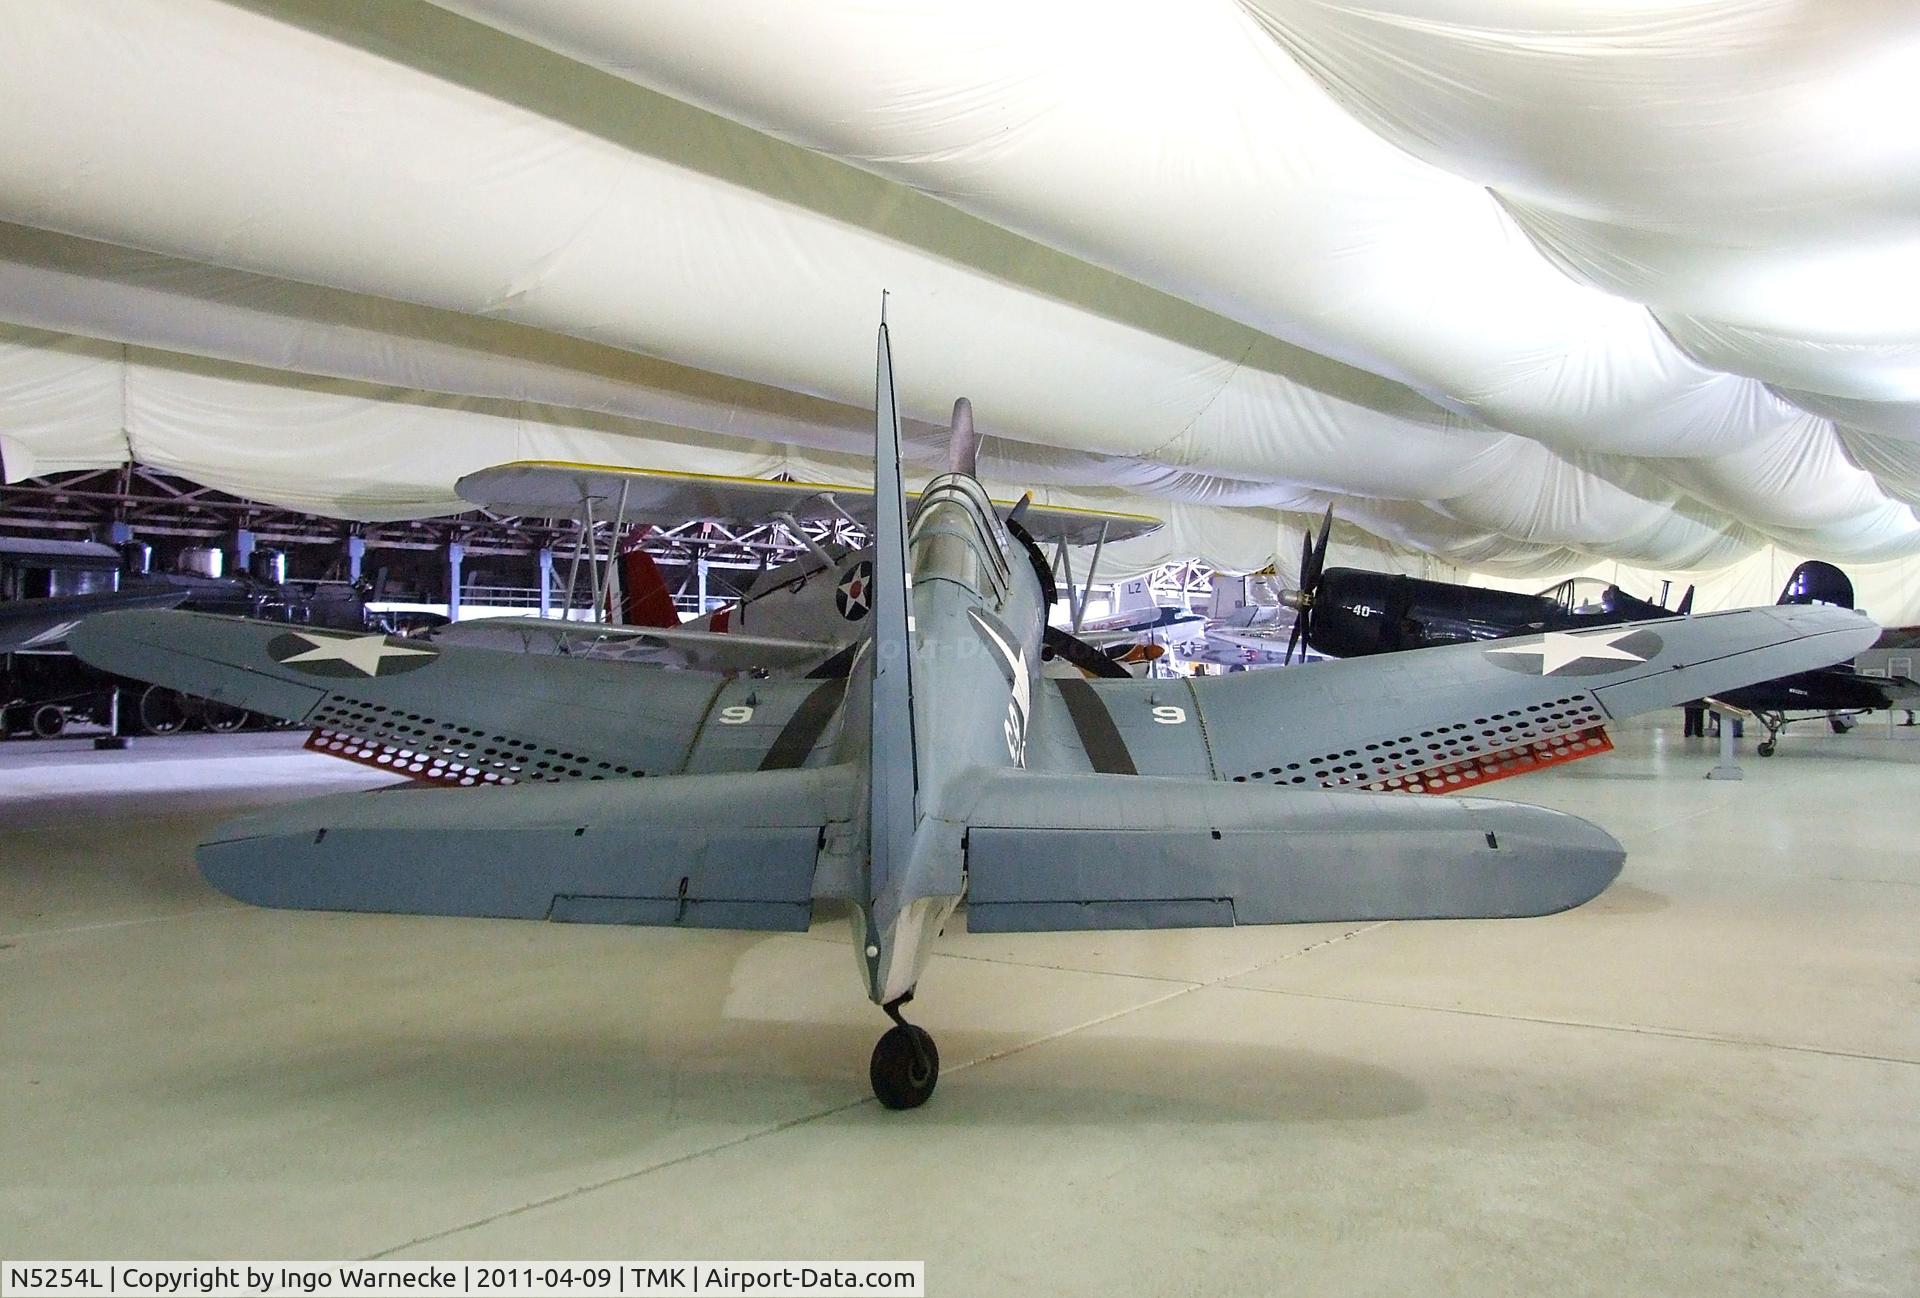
[(1583, 595)]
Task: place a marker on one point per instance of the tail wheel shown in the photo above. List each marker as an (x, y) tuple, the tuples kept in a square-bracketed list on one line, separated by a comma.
[(162, 711), (49, 720), (1765, 748), (905, 1067), (223, 718)]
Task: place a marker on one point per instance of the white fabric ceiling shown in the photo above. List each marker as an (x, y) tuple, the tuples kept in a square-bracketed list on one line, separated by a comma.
[(1525, 287)]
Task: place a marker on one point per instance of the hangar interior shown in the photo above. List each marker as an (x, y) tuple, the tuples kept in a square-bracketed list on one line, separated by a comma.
[(1485, 293)]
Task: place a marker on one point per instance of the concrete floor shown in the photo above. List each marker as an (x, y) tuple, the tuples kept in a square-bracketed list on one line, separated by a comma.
[(1705, 1082)]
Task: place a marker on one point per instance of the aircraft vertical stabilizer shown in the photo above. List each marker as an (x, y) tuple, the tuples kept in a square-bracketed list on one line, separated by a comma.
[(893, 812), (1815, 582), (644, 599)]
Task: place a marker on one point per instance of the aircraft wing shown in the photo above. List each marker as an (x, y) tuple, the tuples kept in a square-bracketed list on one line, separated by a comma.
[(712, 851), (44, 623), (471, 715), (1266, 633), (1902, 691), (1829, 689), (690, 646), (1107, 638), (1049, 852), (552, 489), (1428, 719)]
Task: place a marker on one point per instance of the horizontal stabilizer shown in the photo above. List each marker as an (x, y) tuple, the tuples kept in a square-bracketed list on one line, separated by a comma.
[(713, 851), (1049, 852)]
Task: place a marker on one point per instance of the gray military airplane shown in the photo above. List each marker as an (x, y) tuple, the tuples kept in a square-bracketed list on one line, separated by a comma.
[(937, 762)]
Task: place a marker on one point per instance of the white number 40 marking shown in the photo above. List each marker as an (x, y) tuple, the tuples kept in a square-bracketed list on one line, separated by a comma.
[(1168, 715)]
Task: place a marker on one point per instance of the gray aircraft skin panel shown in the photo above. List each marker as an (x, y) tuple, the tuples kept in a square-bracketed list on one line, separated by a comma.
[(42, 624), (1104, 851), (719, 851), (1365, 721), (550, 719), (702, 650), (769, 725)]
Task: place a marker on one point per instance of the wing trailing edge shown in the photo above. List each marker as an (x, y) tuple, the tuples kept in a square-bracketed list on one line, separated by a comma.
[(1053, 852), (710, 851)]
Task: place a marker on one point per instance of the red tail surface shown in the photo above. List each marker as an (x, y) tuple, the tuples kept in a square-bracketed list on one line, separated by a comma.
[(644, 598)]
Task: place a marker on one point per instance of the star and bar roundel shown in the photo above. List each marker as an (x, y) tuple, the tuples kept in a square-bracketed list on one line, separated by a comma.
[(854, 595), (1568, 653), (343, 654)]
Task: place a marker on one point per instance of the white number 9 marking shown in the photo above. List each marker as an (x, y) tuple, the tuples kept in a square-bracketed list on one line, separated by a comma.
[(1168, 715), (737, 714)]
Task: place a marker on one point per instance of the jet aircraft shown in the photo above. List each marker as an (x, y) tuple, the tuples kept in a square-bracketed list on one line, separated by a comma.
[(936, 762)]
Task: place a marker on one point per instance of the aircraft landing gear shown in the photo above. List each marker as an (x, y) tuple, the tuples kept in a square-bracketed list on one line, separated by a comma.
[(1765, 748), (905, 1064)]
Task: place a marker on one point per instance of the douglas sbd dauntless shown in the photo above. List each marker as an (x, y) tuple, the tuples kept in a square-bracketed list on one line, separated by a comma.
[(932, 761)]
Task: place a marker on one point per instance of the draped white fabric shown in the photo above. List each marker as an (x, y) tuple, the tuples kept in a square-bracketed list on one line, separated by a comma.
[(1524, 287)]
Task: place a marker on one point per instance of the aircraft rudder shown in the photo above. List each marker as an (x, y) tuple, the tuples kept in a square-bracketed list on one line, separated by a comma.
[(892, 752), (1817, 582)]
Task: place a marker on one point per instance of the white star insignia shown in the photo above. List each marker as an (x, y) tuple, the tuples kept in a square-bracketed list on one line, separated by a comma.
[(856, 592), (363, 653), (1558, 649)]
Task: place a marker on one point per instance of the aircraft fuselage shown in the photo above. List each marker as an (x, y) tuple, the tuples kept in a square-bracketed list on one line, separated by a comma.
[(1357, 613), (976, 617)]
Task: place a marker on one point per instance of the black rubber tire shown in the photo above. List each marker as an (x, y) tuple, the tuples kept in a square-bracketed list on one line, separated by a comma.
[(49, 721), (1765, 748), (161, 711), (900, 1080)]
